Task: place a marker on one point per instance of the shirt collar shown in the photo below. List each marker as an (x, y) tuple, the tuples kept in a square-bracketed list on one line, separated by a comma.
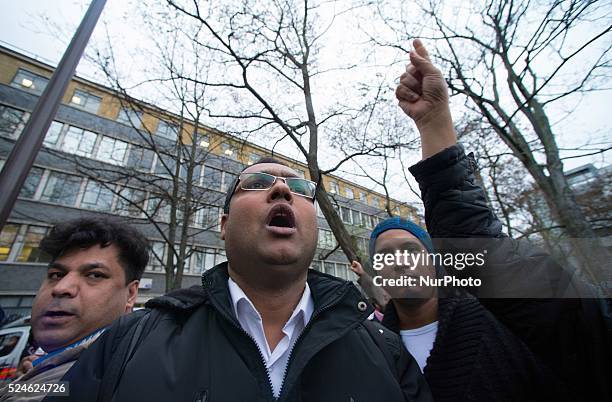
[(242, 305)]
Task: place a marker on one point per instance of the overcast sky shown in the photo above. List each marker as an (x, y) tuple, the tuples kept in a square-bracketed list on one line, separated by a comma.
[(22, 26)]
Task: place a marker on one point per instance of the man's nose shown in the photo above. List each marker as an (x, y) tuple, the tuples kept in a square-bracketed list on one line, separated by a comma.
[(280, 189), (67, 286)]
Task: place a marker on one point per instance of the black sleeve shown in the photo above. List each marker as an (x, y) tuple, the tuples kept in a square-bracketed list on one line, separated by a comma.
[(85, 376), (541, 301)]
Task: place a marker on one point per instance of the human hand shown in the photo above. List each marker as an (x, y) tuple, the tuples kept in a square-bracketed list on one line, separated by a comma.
[(423, 95), (357, 268), (25, 365)]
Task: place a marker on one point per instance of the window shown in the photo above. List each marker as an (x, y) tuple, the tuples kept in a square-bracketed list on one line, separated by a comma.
[(316, 265), (365, 221), (140, 158), (29, 81), (207, 217), (363, 197), (326, 239), (356, 217), (349, 193), (229, 151), (158, 256), (12, 121), (158, 209), (167, 130), (375, 202), (31, 184), (22, 242), (333, 187), (78, 141), (300, 172), (374, 220), (345, 215), (342, 270), (29, 251), (52, 138), (7, 239), (212, 177), (165, 166), (329, 268), (112, 150), (85, 101), (228, 179), (61, 188), (204, 259), (97, 197), (130, 202), (130, 116)]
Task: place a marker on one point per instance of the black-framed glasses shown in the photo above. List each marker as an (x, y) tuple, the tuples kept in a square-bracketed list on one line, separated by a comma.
[(258, 181)]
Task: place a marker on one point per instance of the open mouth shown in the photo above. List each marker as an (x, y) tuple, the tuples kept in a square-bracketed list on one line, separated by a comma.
[(58, 313), (281, 216)]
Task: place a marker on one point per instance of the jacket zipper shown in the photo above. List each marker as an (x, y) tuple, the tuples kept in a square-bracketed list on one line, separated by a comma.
[(261, 356), (306, 328)]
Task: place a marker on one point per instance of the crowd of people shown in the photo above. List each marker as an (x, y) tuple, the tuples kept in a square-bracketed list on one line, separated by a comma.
[(264, 327)]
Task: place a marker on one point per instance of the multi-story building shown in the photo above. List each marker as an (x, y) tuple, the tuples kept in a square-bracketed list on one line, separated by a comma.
[(95, 130)]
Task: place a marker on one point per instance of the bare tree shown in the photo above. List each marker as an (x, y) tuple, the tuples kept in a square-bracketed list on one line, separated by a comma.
[(271, 57), (160, 182), (513, 60)]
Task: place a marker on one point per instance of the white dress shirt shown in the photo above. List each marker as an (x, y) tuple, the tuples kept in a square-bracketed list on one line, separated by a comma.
[(249, 318)]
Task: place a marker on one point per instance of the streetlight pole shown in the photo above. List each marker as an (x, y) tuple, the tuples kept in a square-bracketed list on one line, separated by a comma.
[(21, 158)]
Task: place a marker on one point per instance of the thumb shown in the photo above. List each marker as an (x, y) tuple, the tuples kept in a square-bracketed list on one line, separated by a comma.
[(420, 49), (422, 64)]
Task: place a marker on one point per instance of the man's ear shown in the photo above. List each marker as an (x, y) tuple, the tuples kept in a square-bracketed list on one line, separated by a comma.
[(223, 222), (132, 295)]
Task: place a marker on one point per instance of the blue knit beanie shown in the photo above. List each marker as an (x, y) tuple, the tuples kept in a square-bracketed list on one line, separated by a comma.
[(399, 223)]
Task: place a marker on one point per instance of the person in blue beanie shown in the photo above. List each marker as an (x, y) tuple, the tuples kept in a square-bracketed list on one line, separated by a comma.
[(465, 353)]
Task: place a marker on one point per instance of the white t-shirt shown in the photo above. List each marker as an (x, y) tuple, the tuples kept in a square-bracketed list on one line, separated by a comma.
[(419, 342)]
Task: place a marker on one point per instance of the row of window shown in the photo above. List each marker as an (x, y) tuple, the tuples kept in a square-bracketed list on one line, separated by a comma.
[(199, 259), (75, 191), (339, 269), (19, 243), (77, 141), (327, 241), (353, 217), (349, 193)]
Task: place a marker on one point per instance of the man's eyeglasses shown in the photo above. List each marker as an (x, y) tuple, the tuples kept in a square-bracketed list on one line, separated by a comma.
[(265, 181)]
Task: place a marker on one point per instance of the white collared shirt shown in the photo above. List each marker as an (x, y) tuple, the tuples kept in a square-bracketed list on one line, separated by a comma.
[(249, 318)]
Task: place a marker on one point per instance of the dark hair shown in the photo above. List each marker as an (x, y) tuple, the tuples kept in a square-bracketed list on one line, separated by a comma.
[(231, 189), (86, 232)]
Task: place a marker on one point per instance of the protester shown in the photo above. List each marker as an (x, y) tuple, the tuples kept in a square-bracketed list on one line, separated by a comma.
[(92, 279), (464, 352), (570, 337), (261, 327)]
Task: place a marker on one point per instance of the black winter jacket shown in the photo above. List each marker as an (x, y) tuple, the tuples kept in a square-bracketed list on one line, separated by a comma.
[(572, 336), (193, 349)]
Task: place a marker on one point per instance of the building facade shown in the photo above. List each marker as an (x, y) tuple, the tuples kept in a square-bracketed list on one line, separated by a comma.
[(106, 155)]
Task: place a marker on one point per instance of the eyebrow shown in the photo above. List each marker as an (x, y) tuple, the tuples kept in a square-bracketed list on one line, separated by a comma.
[(404, 244), (85, 267), (276, 173)]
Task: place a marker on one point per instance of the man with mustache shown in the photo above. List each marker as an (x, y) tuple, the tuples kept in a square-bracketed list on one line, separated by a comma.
[(92, 279), (262, 327)]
